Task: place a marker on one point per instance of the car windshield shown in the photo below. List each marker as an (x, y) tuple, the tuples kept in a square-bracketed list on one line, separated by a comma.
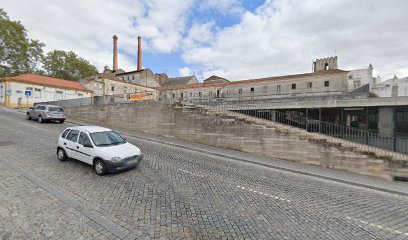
[(55, 109), (106, 138)]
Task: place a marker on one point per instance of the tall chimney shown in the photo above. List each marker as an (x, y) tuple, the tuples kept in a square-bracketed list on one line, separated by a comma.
[(115, 53), (139, 53)]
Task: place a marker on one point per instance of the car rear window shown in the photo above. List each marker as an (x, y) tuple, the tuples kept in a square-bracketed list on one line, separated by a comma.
[(55, 109), (64, 134), (73, 135)]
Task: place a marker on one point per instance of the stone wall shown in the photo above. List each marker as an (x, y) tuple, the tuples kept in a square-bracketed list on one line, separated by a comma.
[(238, 132)]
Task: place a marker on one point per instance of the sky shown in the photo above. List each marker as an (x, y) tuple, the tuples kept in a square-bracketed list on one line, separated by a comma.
[(234, 39)]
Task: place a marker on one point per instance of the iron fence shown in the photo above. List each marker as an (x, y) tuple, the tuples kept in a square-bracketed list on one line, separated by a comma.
[(97, 100), (295, 119)]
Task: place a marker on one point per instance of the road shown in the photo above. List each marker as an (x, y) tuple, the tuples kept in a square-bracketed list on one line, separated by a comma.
[(176, 193)]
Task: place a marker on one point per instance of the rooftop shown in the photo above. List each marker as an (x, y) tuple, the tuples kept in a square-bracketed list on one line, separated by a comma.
[(220, 84), (47, 81), (92, 129)]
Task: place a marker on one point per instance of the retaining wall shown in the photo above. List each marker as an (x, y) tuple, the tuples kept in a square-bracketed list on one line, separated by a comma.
[(238, 132)]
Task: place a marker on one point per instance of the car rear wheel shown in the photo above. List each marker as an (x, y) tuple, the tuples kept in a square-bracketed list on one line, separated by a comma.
[(62, 156), (61, 121), (28, 116), (100, 167), (40, 119)]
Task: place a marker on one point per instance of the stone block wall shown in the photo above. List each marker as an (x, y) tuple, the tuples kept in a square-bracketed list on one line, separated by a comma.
[(237, 132)]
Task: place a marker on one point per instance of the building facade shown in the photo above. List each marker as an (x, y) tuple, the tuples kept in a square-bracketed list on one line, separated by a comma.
[(395, 87), (321, 82), (26, 89), (103, 85)]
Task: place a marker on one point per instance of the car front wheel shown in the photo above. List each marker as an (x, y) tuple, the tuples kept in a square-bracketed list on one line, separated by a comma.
[(28, 116), (62, 156), (100, 167), (40, 119)]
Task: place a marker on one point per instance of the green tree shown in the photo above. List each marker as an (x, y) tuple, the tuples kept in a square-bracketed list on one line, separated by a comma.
[(67, 65), (18, 53)]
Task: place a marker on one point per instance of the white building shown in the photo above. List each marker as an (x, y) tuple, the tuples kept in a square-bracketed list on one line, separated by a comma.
[(26, 89), (360, 77), (395, 87)]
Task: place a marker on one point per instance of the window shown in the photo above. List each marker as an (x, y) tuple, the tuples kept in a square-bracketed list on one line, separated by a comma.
[(174, 95), (357, 84), (1, 91), (264, 89), (80, 95), (83, 139), (240, 91), (37, 93), (278, 88), (59, 95), (65, 133), (293, 85), (128, 78), (252, 90), (181, 95), (200, 94), (309, 85), (326, 83), (112, 88), (133, 77), (326, 66), (73, 135), (55, 109), (107, 138)]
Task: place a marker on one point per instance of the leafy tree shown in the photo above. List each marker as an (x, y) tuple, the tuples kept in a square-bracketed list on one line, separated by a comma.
[(18, 53), (67, 65)]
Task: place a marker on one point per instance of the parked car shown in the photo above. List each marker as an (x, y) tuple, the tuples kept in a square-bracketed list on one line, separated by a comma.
[(44, 113), (100, 147)]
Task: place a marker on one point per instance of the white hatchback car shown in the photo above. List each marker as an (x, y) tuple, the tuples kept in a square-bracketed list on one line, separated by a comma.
[(100, 147)]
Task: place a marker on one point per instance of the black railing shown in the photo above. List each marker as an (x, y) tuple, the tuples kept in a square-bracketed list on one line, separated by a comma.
[(294, 119)]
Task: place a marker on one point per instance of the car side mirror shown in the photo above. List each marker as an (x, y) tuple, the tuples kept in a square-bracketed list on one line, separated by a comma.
[(88, 145)]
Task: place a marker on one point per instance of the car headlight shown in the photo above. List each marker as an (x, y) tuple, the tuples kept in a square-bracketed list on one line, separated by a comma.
[(116, 159)]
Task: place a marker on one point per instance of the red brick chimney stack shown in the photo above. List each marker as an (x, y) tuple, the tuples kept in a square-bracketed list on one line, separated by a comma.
[(115, 53), (139, 53)]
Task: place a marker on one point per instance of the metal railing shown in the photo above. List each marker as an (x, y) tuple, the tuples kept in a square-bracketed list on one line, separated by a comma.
[(97, 100), (369, 139)]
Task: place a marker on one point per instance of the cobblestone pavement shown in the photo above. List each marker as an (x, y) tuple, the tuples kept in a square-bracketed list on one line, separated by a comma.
[(176, 194)]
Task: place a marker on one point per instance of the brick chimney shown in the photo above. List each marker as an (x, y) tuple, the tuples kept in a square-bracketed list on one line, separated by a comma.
[(139, 53), (115, 53)]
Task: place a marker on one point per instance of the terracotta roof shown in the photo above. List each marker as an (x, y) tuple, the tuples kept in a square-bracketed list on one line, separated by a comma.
[(198, 85), (48, 81)]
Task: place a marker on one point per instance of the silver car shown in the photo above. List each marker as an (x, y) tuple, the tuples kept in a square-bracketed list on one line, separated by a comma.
[(46, 113)]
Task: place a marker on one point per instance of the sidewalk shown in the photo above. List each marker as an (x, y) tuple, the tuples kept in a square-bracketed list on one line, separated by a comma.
[(400, 188)]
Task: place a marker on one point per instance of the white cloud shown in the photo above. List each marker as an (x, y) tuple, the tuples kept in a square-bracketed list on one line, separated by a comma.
[(224, 7), (283, 37), (87, 27), (185, 71)]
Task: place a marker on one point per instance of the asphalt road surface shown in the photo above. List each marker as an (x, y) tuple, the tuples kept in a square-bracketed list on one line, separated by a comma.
[(176, 193)]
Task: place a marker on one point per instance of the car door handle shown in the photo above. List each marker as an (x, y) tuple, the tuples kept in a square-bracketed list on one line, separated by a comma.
[(77, 147), (65, 143)]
